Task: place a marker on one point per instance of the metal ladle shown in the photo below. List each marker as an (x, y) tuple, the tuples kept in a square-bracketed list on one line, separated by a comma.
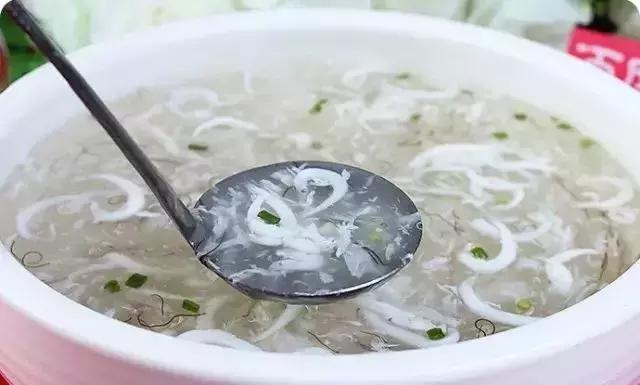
[(201, 227)]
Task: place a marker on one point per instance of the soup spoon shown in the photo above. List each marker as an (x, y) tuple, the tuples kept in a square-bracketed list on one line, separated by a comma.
[(364, 230)]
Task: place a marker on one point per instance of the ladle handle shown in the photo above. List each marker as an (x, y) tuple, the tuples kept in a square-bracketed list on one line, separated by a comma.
[(159, 186)]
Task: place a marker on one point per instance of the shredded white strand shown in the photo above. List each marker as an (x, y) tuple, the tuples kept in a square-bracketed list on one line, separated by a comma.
[(405, 336), (289, 314), (559, 275), (225, 121), (483, 309), (623, 196), (506, 256), (181, 98), (135, 200)]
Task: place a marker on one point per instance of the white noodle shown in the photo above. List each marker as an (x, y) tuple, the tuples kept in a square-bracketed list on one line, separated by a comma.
[(463, 154), (406, 336), (288, 315), (225, 121), (180, 98), (23, 219), (134, 204), (482, 309), (622, 197), (559, 275), (485, 228), (395, 315), (516, 198), (506, 256), (321, 177)]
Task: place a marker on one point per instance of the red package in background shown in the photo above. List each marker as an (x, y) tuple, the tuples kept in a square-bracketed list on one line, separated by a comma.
[(617, 55)]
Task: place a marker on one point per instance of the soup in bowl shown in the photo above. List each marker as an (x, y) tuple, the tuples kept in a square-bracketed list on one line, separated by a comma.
[(521, 161)]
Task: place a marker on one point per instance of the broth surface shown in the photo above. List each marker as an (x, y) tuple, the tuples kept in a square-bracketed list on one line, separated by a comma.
[(522, 216)]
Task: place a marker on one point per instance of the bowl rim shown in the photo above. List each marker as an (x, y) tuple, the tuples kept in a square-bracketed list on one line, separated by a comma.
[(511, 349)]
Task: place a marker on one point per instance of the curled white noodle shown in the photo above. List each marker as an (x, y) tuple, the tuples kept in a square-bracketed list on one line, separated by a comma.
[(25, 215), (480, 183), (292, 260), (288, 315), (483, 309), (516, 198), (225, 121), (134, 204), (623, 215), (179, 98), (506, 256), (462, 154), (406, 336), (321, 177), (623, 196), (395, 315), (485, 228), (559, 275)]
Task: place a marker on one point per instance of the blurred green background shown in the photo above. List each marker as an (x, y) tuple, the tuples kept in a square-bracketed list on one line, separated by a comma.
[(23, 56)]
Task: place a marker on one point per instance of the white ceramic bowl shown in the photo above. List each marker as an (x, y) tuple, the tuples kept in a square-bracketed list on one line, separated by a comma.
[(46, 339)]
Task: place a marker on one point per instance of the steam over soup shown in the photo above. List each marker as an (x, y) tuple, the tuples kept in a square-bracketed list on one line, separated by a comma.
[(522, 216)]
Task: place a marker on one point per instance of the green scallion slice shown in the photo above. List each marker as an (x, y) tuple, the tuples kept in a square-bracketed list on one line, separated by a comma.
[(136, 280), (198, 147), (521, 116), (479, 253), (112, 286), (268, 218), (403, 76), (500, 135), (415, 118), (190, 306), (523, 305), (501, 199), (435, 334), (586, 143), (317, 107), (564, 126)]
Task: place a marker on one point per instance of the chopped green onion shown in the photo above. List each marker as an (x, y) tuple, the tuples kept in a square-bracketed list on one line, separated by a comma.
[(374, 236), (501, 199), (587, 143), (479, 253), (523, 305), (317, 107), (415, 118), (190, 306), (136, 280), (521, 116), (403, 76), (435, 334), (317, 145), (268, 218), (112, 286), (564, 126), (500, 135), (198, 147)]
